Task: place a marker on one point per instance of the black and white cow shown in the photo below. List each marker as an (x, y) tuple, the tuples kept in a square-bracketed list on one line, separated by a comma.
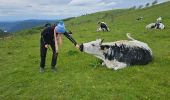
[(102, 27), (119, 54), (139, 18), (155, 26)]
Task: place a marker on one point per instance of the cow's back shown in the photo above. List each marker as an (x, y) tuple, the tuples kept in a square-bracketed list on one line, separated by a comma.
[(129, 52)]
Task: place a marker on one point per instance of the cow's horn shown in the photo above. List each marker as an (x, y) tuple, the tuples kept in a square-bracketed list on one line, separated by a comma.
[(102, 41)]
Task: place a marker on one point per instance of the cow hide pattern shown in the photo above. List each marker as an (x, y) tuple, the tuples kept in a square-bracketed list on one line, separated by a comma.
[(119, 54)]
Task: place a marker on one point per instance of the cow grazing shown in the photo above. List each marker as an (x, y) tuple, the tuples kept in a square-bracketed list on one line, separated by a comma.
[(119, 54)]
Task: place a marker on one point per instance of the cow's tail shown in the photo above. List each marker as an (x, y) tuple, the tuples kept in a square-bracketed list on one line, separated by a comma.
[(129, 37)]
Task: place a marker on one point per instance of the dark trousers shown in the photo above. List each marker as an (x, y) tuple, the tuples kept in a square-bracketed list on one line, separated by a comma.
[(43, 52)]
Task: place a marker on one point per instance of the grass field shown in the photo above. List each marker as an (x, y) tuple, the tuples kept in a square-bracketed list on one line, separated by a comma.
[(80, 76)]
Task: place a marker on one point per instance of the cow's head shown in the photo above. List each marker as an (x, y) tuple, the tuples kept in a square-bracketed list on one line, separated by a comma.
[(91, 47)]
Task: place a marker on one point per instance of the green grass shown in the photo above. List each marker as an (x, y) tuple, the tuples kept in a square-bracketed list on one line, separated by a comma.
[(80, 76)]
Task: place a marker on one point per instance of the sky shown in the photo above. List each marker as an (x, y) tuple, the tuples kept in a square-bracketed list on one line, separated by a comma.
[(13, 10)]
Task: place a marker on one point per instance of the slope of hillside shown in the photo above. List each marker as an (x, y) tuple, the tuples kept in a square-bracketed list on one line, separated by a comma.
[(79, 75)]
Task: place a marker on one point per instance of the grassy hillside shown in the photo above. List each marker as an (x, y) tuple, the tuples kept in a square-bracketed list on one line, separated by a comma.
[(79, 75)]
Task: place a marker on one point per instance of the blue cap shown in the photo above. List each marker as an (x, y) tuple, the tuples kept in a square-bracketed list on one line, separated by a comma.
[(60, 28)]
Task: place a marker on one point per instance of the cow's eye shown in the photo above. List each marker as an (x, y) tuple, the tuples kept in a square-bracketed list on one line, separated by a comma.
[(92, 44)]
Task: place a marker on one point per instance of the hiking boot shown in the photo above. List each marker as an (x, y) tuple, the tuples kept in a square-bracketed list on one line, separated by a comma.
[(42, 70), (54, 68)]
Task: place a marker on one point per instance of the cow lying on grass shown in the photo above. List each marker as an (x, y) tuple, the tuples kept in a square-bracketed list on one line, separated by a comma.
[(155, 26), (119, 54)]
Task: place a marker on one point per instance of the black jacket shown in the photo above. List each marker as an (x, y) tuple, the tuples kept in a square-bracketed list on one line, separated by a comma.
[(47, 35)]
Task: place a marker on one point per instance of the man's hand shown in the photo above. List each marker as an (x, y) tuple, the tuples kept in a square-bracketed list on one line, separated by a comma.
[(77, 46), (46, 46)]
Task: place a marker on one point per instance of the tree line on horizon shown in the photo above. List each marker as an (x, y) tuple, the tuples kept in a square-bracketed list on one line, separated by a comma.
[(146, 5)]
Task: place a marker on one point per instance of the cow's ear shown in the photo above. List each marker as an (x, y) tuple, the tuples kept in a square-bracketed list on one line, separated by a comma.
[(102, 47)]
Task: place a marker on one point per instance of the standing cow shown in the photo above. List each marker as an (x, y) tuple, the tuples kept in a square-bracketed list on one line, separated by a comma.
[(119, 54)]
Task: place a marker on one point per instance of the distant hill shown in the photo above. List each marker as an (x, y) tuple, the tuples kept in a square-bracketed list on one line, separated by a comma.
[(3, 33), (21, 25)]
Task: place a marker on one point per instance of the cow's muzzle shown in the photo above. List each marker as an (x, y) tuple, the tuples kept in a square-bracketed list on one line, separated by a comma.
[(81, 47)]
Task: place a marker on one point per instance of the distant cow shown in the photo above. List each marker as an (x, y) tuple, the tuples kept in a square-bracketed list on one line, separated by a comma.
[(139, 18), (155, 26), (119, 54), (102, 27)]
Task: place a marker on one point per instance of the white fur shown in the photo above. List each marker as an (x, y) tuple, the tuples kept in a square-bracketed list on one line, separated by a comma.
[(114, 64), (150, 25), (98, 29), (161, 26), (159, 19)]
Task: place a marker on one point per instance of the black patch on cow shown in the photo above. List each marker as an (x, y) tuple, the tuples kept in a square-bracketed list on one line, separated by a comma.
[(104, 27), (81, 47), (153, 26), (157, 25), (128, 55), (104, 46)]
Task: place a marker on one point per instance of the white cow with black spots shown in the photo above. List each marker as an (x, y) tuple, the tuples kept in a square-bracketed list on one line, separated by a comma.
[(119, 54)]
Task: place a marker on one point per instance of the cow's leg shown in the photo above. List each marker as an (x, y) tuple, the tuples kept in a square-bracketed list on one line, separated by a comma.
[(120, 65), (109, 64), (114, 64), (103, 29), (108, 29)]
